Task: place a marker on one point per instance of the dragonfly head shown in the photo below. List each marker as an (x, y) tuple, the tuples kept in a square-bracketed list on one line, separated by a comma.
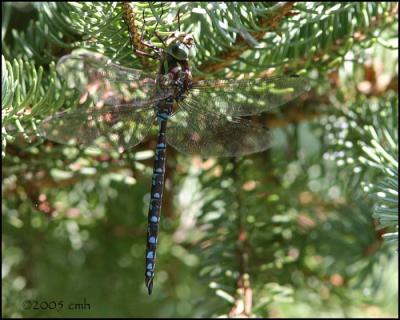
[(180, 46)]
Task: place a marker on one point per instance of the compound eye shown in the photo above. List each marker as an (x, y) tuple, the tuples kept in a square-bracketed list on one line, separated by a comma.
[(179, 51), (175, 48)]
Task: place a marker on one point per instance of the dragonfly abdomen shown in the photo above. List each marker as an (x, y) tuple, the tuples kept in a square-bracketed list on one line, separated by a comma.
[(157, 188)]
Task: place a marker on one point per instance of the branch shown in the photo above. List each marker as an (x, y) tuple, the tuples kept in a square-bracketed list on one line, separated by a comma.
[(244, 293), (241, 44)]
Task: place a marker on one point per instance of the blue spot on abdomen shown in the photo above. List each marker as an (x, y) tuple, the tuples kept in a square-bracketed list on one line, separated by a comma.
[(153, 240), (156, 195), (161, 146)]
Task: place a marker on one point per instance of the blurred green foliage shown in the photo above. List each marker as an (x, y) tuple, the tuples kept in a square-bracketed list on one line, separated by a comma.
[(299, 228)]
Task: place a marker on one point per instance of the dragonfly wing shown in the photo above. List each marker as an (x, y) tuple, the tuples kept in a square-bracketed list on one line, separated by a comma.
[(108, 82), (248, 97), (105, 127), (194, 130)]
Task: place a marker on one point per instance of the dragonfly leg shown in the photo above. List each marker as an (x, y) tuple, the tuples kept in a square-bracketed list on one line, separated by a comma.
[(179, 20), (145, 54), (160, 38), (150, 45), (147, 43)]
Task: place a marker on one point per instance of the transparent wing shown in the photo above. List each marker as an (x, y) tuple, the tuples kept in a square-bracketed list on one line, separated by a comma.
[(105, 127), (247, 97), (194, 130), (108, 82)]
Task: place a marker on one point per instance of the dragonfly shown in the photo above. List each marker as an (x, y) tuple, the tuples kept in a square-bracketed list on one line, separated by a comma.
[(210, 118)]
